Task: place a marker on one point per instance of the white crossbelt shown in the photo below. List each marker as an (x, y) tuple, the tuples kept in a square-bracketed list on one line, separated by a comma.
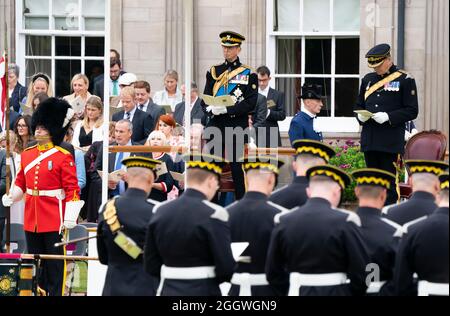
[(298, 280), (247, 280), (375, 287), (58, 194), (39, 159), (185, 273), (429, 288)]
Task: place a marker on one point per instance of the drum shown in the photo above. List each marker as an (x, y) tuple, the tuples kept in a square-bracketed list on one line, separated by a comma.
[(17, 276)]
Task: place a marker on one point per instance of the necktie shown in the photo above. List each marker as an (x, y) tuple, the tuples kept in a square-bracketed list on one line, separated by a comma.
[(119, 161), (119, 189), (115, 91), (127, 116), (141, 107)]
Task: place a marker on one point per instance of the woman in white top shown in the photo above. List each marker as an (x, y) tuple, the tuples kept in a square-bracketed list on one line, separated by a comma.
[(80, 95), (89, 130), (171, 95)]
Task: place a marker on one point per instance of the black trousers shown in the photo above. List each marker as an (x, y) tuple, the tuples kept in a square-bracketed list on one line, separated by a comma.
[(384, 161), (2, 227), (51, 274)]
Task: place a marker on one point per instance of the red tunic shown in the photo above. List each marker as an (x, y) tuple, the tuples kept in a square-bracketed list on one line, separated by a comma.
[(55, 172)]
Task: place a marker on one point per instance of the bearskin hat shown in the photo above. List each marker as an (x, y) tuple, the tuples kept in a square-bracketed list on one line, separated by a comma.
[(55, 115)]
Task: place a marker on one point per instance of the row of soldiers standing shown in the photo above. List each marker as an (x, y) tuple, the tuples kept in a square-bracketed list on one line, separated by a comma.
[(299, 241)]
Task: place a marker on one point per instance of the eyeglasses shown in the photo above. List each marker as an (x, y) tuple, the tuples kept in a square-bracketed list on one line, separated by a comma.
[(21, 125)]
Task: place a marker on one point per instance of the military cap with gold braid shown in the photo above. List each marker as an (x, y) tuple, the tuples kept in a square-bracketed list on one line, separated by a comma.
[(332, 172), (426, 166), (230, 39), (315, 148), (373, 177), (269, 163), (443, 178), (377, 54), (205, 162), (141, 162)]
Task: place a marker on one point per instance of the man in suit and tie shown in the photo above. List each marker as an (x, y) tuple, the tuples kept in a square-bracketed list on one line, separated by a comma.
[(145, 103), (142, 121), (276, 110), (114, 74), (197, 113)]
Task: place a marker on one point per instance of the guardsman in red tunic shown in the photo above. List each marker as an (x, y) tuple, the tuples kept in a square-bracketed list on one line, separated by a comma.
[(48, 178)]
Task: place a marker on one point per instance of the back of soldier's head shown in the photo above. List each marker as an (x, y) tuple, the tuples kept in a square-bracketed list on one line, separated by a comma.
[(425, 182), (369, 192), (197, 177), (307, 161)]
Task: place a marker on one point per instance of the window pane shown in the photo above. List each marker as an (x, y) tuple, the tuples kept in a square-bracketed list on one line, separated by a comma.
[(94, 24), (34, 23), (33, 66), (95, 46), (326, 91), (316, 15), (64, 71), (38, 45), (346, 95), (92, 69), (66, 14), (291, 88), (346, 15), (289, 56), (94, 8), (66, 23), (35, 15), (286, 17), (68, 46), (347, 56), (318, 56)]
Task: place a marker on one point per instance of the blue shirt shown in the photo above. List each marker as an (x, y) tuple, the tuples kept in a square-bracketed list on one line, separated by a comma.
[(302, 128), (81, 169)]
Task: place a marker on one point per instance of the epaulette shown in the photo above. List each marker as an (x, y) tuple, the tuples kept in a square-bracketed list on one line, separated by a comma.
[(407, 225), (64, 151), (249, 67), (408, 75), (352, 216), (387, 208), (398, 228), (28, 148), (220, 213)]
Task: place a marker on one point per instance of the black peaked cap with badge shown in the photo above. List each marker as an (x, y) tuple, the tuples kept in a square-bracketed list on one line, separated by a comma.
[(373, 177), (312, 91), (435, 167), (211, 163), (141, 162), (334, 173), (268, 163), (315, 148), (230, 38), (377, 54), (443, 178)]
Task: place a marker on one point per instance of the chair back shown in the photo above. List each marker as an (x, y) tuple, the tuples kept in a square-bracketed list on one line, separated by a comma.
[(429, 145)]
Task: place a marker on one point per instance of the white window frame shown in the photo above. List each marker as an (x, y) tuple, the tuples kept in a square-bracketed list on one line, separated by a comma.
[(22, 33), (330, 124)]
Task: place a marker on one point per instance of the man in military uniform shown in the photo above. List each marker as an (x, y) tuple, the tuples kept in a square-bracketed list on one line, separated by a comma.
[(241, 83), (188, 240), (252, 221), (309, 153), (424, 250), (387, 100), (302, 125), (319, 245), (425, 185), (48, 178), (380, 234), (121, 232)]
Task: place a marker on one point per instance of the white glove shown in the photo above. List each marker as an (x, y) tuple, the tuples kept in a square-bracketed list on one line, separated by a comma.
[(381, 117), (7, 200), (73, 209), (15, 195), (407, 136), (208, 108), (363, 118), (252, 144), (219, 110)]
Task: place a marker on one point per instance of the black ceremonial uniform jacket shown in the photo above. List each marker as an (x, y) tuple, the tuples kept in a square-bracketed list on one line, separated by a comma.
[(420, 204), (252, 221), (125, 275), (242, 85), (399, 100), (189, 232), (423, 250), (381, 237), (316, 239), (291, 195)]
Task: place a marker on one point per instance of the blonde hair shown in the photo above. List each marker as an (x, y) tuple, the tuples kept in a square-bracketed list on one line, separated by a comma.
[(157, 134), (97, 103), (128, 91), (78, 77), (36, 78), (172, 74)]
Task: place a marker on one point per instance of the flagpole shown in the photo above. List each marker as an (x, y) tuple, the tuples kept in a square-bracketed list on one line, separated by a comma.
[(8, 155)]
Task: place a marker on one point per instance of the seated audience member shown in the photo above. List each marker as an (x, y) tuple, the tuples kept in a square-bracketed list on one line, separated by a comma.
[(89, 130), (17, 92), (80, 95), (39, 83), (171, 95), (145, 103), (22, 129), (197, 114)]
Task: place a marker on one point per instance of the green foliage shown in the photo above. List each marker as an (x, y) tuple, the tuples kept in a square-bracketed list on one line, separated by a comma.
[(349, 158)]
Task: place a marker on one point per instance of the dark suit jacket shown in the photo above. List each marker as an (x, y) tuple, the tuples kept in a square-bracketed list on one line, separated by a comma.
[(155, 112), (196, 112), (2, 181), (277, 112), (99, 82), (17, 96), (142, 125), (259, 122)]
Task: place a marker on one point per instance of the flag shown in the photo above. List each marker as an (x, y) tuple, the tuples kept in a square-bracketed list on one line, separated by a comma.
[(3, 90)]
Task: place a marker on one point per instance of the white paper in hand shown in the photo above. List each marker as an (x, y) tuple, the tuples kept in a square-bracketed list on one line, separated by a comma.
[(238, 248)]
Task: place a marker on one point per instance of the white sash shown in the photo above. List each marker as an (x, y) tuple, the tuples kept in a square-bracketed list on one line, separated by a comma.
[(39, 159)]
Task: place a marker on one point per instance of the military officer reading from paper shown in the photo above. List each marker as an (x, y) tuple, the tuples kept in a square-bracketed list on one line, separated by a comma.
[(241, 83), (387, 100), (121, 232)]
